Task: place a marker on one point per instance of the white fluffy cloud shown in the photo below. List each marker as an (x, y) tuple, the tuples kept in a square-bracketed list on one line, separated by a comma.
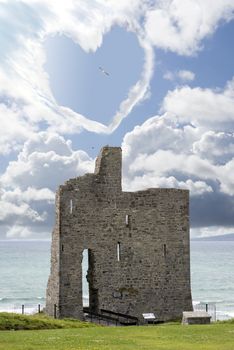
[(28, 184), (209, 108), (183, 75), (150, 180), (46, 161), (180, 25), (14, 129), (158, 133), (19, 211), (215, 146), (162, 153), (29, 195)]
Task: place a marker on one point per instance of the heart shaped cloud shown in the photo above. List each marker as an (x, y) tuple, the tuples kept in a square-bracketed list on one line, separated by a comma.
[(25, 86), (23, 76), (79, 81)]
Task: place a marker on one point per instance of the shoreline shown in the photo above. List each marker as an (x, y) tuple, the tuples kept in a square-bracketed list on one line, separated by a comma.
[(31, 308)]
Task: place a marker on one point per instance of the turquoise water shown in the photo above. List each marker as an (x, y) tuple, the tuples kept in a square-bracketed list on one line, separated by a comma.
[(212, 275), (24, 270)]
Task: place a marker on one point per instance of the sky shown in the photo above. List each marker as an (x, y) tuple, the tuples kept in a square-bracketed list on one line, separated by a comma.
[(167, 100)]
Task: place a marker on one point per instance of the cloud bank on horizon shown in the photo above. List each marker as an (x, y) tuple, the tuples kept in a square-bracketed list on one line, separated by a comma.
[(188, 143)]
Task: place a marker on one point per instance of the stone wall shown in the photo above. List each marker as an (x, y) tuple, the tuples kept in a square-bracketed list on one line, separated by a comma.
[(138, 246)]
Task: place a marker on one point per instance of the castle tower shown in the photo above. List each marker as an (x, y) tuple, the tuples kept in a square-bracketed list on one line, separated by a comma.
[(137, 243)]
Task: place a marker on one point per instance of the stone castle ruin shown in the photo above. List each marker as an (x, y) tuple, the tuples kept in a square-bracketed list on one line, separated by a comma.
[(137, 242)]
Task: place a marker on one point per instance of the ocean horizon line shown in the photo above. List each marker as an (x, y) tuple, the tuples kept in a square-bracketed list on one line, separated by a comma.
[(27, 240)]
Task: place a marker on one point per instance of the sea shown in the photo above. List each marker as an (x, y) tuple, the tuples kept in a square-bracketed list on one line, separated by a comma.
[(25, 266)]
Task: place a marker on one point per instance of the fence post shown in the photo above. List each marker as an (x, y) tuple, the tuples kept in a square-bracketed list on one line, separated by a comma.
[(22, 309), (55, 311), (39, 308)]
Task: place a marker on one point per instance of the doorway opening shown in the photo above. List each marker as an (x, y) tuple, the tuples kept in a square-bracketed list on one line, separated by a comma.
[(89, 292), (85, 283)]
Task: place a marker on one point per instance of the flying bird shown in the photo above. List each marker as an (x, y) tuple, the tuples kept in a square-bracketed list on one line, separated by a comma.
[(103, 71)]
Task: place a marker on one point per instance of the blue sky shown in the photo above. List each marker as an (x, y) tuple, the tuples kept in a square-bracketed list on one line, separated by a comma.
[(168, 101), (76, 79)]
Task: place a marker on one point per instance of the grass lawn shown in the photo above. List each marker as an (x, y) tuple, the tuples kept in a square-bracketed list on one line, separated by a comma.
[(158, 337)]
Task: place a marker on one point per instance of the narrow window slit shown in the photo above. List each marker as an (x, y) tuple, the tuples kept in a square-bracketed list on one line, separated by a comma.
[(71, 206), (164, 249), (118, 251), (127, 220)]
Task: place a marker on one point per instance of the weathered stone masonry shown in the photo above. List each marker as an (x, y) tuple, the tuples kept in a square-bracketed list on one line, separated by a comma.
[(138, 246)]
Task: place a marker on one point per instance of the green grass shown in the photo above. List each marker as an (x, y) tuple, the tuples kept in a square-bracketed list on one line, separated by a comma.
[(218, 336), (12, 321)]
